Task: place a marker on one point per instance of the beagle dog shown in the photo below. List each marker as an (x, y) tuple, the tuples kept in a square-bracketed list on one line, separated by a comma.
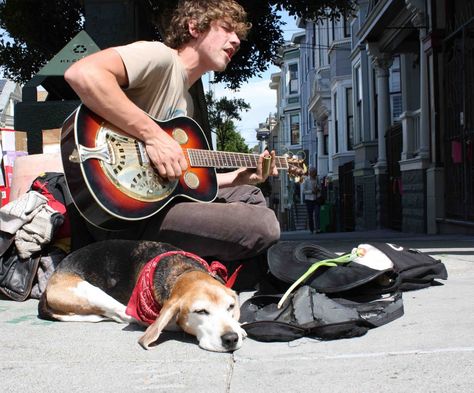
[(165, 288)]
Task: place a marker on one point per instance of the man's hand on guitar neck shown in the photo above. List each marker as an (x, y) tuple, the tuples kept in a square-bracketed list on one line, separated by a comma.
[(251, 176), (263, 170)]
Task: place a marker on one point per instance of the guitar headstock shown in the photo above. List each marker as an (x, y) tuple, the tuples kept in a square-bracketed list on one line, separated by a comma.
[(297, 169)]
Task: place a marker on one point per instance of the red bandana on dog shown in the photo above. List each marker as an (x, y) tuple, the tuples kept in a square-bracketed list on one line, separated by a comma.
[(142, 305)]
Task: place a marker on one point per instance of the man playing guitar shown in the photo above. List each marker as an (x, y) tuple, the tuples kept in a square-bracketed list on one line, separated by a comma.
[(126, 84)]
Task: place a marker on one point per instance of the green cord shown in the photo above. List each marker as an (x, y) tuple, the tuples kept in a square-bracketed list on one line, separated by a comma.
[(326, 262)]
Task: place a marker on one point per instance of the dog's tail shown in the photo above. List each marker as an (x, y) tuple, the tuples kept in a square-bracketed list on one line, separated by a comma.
[(44, 312)]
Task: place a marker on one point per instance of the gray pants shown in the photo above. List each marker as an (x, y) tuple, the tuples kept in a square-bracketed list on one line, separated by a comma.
[(235, 227)]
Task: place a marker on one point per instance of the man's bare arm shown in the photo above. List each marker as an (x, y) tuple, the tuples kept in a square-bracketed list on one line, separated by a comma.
[(98, 80)]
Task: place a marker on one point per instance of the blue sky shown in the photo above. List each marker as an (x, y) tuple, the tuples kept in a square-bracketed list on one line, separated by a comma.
[(257, 93)]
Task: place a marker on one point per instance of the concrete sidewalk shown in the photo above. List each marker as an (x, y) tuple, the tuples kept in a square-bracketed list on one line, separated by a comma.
[(429, 349)]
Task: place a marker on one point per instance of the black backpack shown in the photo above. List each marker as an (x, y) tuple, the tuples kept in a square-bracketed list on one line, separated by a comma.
[(309, 313), (340, 301)]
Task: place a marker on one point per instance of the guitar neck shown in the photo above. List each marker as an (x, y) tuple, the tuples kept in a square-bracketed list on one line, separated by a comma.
[(224, 159)]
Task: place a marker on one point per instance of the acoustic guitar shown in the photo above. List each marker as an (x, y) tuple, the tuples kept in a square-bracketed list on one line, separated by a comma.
[(112, 182)]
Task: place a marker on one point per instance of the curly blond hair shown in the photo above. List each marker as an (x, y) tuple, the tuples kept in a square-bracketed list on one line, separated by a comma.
[(203, 13)]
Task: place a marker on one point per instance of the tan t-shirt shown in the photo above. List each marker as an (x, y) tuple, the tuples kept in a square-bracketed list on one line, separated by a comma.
[(157, 79)]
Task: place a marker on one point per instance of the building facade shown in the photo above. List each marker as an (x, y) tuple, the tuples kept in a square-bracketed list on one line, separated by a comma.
[(286, 133), (10, 94), (386, 113)]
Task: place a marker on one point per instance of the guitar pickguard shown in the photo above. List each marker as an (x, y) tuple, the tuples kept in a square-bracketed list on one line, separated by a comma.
[(128, 168)]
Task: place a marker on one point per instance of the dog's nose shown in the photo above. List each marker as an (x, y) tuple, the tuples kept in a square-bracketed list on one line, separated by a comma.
[(229, 340)]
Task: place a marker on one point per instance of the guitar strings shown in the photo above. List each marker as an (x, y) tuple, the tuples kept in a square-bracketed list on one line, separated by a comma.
[(217, 158), (209, 153)]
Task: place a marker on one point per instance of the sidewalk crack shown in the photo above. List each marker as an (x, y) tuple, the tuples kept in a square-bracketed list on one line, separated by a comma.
[(230, 374)]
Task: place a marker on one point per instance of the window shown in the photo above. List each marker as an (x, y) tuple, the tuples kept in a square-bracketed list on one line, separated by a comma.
[(395, 90), (327, 36), (376, 104), (325, 127), (310, 123), (295, 129), (336, 125), (293, 78), (313, 45), (349, 119), (328, 61), (358, 76), (396, 104), (320, 48), (347, 27)]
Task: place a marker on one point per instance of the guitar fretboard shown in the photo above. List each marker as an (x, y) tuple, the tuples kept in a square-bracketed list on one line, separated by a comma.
[(224, 159)]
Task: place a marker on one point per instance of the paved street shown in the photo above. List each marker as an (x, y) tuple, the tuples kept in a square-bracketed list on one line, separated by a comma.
[(429, 349)]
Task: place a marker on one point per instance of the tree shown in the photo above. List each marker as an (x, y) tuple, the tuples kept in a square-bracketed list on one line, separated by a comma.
[(229, 139), (34, 32), (39, 29), (222, 113)]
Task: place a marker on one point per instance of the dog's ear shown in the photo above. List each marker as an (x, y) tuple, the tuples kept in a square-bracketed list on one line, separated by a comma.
[(168, 312), (236, 310)]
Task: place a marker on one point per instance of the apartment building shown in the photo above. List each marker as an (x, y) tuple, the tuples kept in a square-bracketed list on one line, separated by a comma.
[(384, 108), (10, 94)]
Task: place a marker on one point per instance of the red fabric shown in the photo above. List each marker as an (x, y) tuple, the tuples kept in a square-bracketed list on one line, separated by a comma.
[(142, 304), (64, 231), (4, 195)]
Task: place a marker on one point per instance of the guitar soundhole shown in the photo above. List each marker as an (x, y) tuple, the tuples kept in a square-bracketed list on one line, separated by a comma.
[(191, 180), (180, 136)]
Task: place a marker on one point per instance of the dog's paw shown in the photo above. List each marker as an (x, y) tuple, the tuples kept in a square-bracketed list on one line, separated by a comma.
[(243, 333)]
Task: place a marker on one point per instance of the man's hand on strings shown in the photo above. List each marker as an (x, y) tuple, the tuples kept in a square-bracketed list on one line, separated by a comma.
[(166, 155)]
